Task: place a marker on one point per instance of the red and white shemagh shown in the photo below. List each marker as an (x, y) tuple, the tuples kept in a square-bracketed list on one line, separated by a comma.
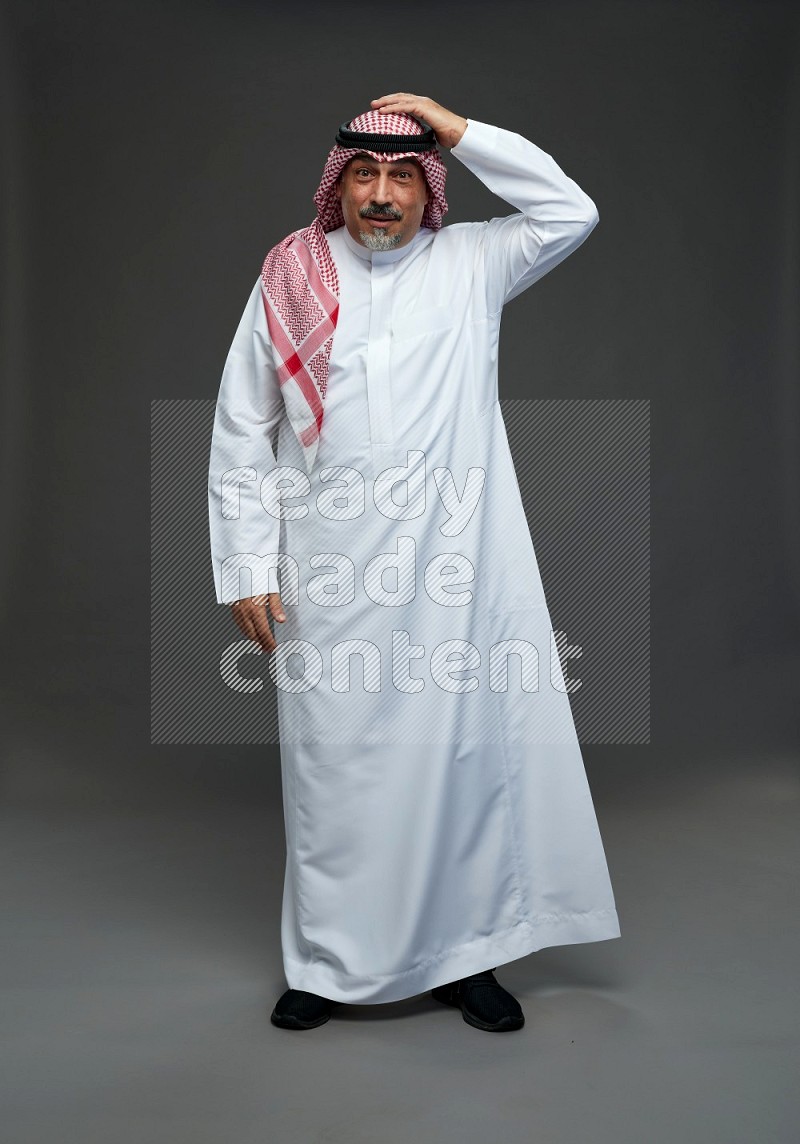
[(300, 286)]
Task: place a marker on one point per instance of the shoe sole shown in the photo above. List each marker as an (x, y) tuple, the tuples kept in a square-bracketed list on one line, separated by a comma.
[(295, 1022), (504, 1025)]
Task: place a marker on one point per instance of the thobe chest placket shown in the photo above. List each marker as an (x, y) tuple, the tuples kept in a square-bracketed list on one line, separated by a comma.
[(379, 345)]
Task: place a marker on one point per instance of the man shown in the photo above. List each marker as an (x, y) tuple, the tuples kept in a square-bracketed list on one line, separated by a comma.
[(438, 817)]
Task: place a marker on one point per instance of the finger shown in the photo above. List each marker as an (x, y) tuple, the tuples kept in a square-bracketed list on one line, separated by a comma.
[(399, 98), (243, 622), (424, 109), (276, 607), (263, 635)]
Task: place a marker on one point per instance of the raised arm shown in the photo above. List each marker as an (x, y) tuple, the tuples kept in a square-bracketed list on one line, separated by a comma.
[(555, 215), (249, 408)]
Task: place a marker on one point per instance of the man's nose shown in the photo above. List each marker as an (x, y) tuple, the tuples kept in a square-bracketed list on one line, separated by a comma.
[(384, 191)]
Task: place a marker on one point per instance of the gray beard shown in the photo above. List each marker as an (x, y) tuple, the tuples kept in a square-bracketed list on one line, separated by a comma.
[(379, 240)]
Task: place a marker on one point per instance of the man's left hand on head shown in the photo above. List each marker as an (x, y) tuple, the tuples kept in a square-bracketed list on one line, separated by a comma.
[(447, 126)]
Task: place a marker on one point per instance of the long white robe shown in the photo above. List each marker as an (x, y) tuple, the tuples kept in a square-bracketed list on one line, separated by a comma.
[(437, 812)]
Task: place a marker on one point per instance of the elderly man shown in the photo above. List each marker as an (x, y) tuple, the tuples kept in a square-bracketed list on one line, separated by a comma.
[(438, 818)]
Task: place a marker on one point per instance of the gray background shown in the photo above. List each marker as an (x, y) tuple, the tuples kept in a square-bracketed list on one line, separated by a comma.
[(151, 155)]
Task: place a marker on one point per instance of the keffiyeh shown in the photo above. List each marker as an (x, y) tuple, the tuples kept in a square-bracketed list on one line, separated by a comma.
[(299, 283)]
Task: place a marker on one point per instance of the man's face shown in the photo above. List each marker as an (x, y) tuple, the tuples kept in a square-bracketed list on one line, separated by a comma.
[(382, 203)]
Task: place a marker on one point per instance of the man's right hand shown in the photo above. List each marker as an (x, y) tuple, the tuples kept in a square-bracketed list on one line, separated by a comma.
[(251, 617)]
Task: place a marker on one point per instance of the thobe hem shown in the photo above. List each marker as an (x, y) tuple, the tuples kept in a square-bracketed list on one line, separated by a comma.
[(484, 953)]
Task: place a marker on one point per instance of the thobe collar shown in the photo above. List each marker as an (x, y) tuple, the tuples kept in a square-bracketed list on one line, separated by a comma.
[(378, 257)]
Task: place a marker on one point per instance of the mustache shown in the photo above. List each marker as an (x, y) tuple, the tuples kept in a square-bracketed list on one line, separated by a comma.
[(380, 212)]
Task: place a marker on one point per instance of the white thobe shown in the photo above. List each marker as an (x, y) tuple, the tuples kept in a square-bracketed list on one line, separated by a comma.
[(437, 812)]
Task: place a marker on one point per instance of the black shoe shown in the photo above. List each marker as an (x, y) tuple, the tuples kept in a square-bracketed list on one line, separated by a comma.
[(483, 1002), (297, 1009)]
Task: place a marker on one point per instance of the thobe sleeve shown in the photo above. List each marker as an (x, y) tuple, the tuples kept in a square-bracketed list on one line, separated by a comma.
[(555, 217), (249, 408)]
